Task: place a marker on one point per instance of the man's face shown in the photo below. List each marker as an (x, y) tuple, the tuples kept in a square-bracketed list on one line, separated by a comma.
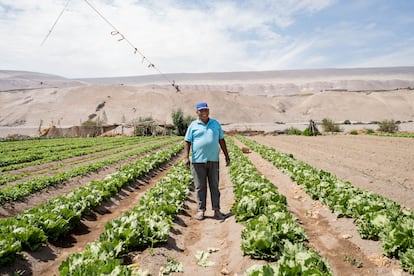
[(203, 114)]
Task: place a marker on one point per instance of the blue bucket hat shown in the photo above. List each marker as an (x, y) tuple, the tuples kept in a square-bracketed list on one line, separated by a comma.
[(202, 105)]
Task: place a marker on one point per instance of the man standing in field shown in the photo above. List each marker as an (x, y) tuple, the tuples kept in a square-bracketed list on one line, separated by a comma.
[(204, 136)]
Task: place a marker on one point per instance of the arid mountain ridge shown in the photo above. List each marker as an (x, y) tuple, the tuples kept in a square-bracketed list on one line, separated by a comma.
[(237, 99), (272, 82)]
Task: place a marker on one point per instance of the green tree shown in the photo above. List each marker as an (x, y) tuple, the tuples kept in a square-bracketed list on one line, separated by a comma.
[(311, 130), (293, 131), (143, 126), (329, 126), (389, 126), (180, 122)]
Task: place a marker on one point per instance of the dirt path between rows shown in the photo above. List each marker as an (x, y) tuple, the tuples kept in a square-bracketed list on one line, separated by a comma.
[(188, 236)]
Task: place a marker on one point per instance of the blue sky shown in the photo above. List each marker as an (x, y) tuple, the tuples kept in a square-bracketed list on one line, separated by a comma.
[(183, 36)]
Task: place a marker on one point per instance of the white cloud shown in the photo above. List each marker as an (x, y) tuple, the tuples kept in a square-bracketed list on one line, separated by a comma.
[(180, 36)]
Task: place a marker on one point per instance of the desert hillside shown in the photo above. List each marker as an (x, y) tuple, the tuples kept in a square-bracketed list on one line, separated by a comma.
[(244, 99)]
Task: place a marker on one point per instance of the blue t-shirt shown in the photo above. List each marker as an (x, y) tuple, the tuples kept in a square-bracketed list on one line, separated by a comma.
[(204, 140)]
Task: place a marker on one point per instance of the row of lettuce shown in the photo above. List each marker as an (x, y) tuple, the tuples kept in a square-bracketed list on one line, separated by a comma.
[(146, 225), (377, 217), (14, 176), (271, 232), (9, 146), (52, 219), (33, 154), (25, 188), (395, 134), (88, 155)]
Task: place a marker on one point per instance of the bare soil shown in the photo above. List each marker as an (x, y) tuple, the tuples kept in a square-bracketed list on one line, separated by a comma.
[(381, 164)]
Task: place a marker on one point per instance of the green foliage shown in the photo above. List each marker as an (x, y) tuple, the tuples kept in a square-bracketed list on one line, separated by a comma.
[(407, 260), (145, 225), (330, 126), (265, 236), (397, 236), (57, 216), (23, 189), (388, 126), (299, 260), (89, 123), (311, 130), (370, 131), (353, 261), (293, 131), (353, 132), (171, 266), (143, 126), (180, 122), (308, 132)]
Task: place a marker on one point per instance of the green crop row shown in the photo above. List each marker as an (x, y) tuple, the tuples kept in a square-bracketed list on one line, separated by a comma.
[(105, 151), (377, 217), (7, 147), (33, 151), (395, 134), (144, 226), (271, 232), (44, 155), (56, 217), (23, 189)]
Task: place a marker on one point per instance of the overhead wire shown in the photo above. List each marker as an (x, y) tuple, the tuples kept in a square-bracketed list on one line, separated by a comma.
[(116, 32), (56, 21)]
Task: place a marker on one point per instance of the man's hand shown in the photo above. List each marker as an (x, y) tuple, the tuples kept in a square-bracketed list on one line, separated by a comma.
[(227, 161), (187, 147), (187, 162)]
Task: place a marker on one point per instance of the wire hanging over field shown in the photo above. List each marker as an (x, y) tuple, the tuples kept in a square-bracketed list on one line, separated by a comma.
[(120, 37), (56, 21)]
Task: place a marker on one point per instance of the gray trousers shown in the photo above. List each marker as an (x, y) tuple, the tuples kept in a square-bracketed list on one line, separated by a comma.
[(203, 172)]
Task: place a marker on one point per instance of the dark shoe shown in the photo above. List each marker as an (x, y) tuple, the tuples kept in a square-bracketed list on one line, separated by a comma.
[(219, 215), (199, 215)]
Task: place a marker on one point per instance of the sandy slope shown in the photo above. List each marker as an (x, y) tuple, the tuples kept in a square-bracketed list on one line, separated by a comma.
[(70, 106), (237, 100)]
